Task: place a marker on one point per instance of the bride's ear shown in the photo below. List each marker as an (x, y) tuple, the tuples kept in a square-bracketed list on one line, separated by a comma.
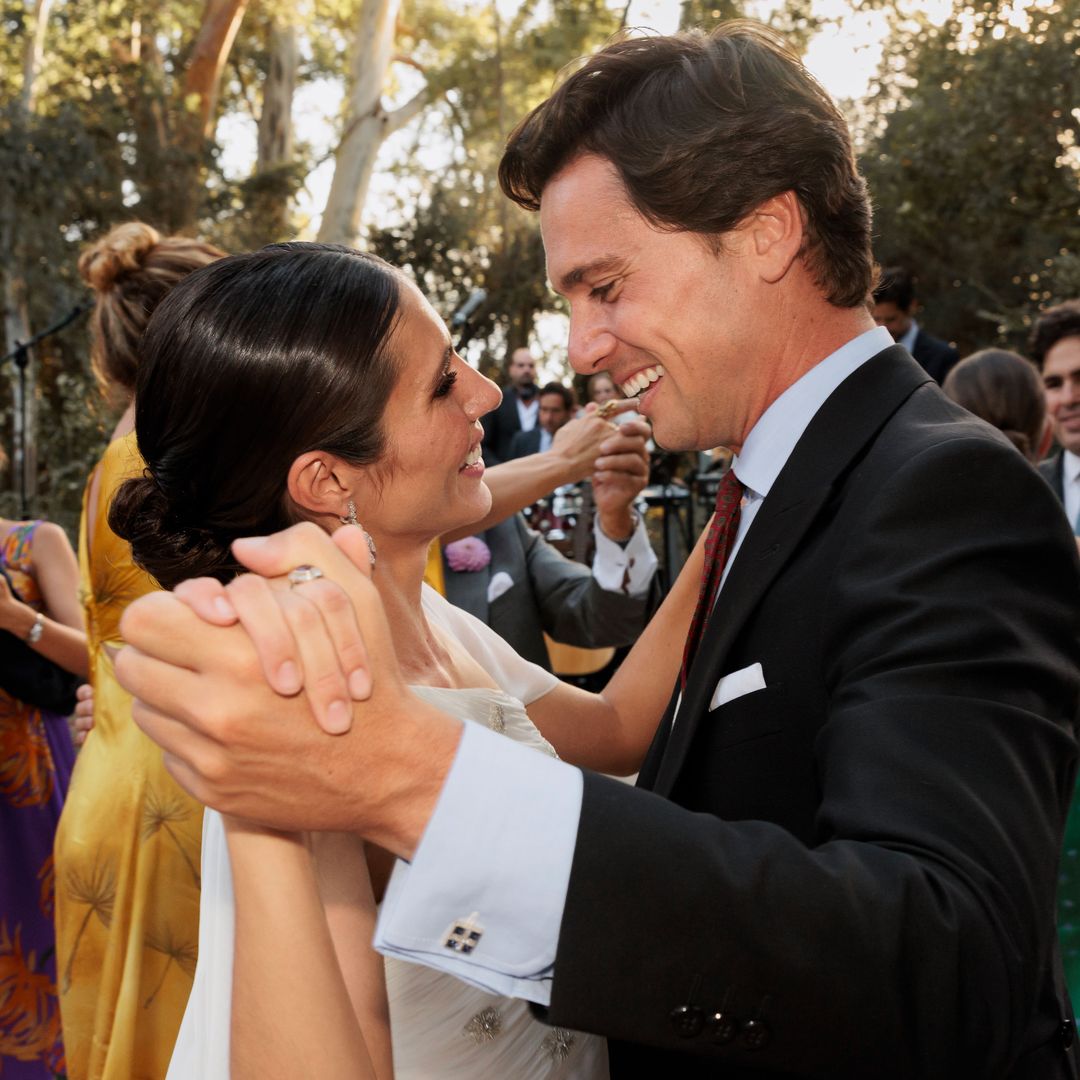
[(319, 485)]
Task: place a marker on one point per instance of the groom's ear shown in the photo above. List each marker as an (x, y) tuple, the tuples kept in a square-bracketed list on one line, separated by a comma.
[(318, 484), (778, 232)]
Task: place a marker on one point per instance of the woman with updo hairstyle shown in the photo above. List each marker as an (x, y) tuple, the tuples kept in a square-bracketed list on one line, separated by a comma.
[(1004, 389), (310, 384), (127, 848)]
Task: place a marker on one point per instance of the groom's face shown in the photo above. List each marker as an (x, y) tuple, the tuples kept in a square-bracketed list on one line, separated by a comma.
[(671, 320)]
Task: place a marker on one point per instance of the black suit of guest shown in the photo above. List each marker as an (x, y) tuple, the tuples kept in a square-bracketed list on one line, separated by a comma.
[(1053, 472), (889, 806), (937, 357), (500, 427), (524, 443)]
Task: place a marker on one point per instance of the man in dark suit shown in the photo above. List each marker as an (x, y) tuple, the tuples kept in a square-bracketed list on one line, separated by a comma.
[(895, 306), (1055, 348), (556, 409), (517, 412), (843, 863)]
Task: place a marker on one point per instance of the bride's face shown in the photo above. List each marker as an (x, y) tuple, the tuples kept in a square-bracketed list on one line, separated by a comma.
[(432, 475)]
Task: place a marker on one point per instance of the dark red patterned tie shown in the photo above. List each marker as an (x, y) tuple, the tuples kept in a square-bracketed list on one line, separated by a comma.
[(725, 524)]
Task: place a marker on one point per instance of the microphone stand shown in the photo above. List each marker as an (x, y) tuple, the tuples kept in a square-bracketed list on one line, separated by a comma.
[(20, 356)]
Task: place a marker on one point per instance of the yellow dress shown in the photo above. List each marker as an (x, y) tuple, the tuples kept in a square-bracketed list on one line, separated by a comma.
[(127, 847)]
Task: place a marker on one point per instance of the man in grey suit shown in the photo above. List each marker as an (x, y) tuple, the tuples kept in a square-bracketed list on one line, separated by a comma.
[(529, 588)]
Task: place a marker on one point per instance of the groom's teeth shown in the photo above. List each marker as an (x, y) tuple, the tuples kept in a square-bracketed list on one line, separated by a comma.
[(636, 383)]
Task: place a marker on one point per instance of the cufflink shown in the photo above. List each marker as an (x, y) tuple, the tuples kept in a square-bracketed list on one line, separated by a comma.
[(464, 935)]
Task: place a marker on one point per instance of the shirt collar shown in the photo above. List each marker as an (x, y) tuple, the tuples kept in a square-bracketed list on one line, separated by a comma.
[(773, 437), (1071, 465), (908, 340)]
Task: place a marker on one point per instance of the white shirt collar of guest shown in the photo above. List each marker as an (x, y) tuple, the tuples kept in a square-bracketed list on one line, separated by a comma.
[(908, 340), (773, 437), (1071, 465), (1070, 486)]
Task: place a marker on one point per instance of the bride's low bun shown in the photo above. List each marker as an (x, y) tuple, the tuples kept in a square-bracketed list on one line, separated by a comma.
[(168, 549)]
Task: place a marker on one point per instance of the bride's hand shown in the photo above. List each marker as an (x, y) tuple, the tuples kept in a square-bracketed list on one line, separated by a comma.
[(306, 636)]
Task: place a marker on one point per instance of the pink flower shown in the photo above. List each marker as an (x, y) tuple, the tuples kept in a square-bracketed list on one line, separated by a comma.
[(469, 554)]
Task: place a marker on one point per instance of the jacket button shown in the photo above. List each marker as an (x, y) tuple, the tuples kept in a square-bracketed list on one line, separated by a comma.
[(724, 1028), (687, 1020), (756, 1034), (1067, 1033)]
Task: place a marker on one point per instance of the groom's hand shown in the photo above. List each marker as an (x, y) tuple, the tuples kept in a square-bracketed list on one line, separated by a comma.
[(306, 636), (239, 746)]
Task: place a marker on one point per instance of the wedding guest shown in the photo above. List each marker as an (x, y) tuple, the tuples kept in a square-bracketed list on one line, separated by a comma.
[(895, 308), (601, 388), (844, 858), (518, 410), (1003, 388), (39, 608), (127, 849), (1055, 348), (556, 407)]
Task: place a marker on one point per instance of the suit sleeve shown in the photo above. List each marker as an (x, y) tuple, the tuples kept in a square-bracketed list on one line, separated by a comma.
[(912, 937), (574, 609)]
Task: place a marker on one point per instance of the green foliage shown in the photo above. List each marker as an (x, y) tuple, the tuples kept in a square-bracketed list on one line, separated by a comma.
[(972, 162)]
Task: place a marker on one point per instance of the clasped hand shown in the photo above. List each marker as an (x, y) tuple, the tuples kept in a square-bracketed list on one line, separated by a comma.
[(217, 672)]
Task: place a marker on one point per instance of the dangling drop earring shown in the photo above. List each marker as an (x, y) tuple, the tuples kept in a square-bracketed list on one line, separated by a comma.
[(350, 519)]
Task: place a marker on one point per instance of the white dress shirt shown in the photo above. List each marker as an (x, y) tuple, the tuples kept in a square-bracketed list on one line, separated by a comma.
[(499, 846), (527, 413), (1070, 487)]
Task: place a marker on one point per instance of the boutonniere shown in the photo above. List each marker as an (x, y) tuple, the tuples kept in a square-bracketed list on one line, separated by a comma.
[(469, 554)]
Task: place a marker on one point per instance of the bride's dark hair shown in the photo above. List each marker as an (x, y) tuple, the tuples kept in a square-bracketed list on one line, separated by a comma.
[(245, 365)]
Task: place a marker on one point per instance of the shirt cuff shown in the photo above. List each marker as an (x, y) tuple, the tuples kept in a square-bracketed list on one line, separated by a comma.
[(483, 897), (628, 568)]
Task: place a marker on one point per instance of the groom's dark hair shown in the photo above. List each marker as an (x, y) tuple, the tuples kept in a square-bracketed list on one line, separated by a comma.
[(702, 129)]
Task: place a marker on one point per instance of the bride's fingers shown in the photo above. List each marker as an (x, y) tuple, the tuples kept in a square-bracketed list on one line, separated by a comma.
[(307, 544), (266, 626), (339, 619), (208, 599), (324, 682)]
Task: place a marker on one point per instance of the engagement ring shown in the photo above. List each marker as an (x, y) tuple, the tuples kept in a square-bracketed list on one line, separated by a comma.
[(303, 573)]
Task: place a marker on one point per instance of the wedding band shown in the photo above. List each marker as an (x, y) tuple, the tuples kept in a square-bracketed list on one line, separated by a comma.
[(301, 574)]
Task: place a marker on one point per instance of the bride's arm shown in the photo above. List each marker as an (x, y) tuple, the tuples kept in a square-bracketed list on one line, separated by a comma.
[(611, 731), (293, 1011)]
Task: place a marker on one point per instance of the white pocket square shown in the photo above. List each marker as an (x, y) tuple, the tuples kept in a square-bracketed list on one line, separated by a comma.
[(736, 685), (499, 583)]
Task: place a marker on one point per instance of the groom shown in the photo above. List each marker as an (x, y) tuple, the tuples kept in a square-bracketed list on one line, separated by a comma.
[(840, 860)]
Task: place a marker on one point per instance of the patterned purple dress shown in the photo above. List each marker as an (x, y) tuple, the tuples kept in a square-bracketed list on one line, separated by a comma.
[(36, 758)]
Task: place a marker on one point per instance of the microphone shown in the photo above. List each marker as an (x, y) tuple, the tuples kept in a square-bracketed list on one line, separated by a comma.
[(469, 308)]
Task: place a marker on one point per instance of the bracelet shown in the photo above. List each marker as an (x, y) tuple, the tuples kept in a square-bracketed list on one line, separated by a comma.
[(33, 635)]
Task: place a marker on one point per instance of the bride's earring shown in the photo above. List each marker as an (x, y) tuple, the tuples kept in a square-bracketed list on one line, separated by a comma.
[(350, 519)]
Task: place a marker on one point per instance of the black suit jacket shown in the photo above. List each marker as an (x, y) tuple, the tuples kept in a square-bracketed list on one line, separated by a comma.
[(500, 426), (937, 357), (524, 443), (1053, 472), (851, 873)]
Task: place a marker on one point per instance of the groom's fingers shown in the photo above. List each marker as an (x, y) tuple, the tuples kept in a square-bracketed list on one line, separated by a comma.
[(261, 616), (208, 599)]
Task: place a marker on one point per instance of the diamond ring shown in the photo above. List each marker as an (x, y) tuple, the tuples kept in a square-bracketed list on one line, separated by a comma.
[(301, 574)]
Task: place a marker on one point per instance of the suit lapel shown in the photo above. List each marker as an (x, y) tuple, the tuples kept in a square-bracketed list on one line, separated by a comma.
[(468, 590), (839, 431)]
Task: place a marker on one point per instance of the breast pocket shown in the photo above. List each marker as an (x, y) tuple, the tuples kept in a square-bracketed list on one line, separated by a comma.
[(755, 715)]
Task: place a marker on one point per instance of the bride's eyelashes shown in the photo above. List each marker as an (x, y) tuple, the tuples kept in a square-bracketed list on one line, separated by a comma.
[(446, 384)]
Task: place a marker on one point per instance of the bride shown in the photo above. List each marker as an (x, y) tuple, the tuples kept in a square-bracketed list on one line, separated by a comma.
[(313, 383)]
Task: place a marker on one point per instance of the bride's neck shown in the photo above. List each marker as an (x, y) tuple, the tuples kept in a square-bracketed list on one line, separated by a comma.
[(399, 576)]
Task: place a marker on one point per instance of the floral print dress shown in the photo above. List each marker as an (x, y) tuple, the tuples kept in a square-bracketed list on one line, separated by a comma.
[(36, 759)]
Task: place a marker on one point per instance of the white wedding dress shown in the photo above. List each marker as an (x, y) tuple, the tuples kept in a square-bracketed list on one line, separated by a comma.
[(442, 1029)]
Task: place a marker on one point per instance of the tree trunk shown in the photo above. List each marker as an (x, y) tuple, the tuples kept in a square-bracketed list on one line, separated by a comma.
[(202, 81), (33, 48), (269, 204), (367, 122), (202, 77)]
